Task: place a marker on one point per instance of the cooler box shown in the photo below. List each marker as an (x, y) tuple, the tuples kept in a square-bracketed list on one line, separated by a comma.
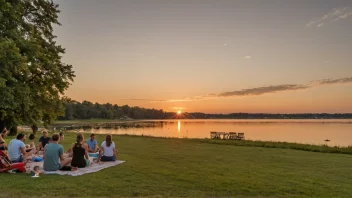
[(93, 155)]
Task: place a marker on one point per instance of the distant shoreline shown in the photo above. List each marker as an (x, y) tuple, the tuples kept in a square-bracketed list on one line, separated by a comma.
[(320, 148), (112, 121)]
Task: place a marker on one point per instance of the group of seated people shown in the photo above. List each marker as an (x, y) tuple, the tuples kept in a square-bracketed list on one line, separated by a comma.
[(53, 153)]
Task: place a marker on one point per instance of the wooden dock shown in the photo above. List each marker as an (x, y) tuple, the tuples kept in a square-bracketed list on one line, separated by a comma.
[(227, 135)]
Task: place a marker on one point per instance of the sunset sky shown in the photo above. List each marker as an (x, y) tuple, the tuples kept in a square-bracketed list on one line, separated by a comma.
[(213, 56)]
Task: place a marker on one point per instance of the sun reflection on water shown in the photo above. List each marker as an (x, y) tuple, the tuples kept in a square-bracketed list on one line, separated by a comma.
[(179, 126)]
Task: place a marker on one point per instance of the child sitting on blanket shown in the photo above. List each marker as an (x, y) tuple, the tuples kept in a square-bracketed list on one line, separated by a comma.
[(35, 172)]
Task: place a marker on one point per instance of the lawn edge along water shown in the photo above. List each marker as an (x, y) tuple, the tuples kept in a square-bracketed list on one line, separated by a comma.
[(255, 143), (246, 143)]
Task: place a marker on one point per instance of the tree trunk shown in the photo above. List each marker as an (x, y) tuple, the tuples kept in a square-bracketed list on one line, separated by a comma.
[(2, 125), (13, 131), (34, 128)]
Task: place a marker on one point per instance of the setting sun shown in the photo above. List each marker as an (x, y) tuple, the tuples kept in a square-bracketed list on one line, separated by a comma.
[(179, 112)]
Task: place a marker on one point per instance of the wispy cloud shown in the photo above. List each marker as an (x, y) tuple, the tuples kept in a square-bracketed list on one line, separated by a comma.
[(247, 57), (270, 89), (181, 100), (345, 15), (332, 81), (263, 90), (320, 25), (334, 15), (178, 108), (257, 90)]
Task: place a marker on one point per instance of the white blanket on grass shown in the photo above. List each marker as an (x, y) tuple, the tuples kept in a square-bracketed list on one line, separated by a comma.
[(94, 167)]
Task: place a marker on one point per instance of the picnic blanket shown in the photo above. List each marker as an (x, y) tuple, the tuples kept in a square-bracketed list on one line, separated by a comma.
[(94, 167)]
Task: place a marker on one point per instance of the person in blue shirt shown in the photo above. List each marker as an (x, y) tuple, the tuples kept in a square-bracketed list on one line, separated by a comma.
[(43, 140), (92, 144), (17, 149)]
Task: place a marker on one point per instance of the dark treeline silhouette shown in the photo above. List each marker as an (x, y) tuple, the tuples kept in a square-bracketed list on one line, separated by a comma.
[(89, 110)]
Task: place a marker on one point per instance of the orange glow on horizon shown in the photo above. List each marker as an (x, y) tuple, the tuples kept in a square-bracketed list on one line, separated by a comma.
[(330, 99)]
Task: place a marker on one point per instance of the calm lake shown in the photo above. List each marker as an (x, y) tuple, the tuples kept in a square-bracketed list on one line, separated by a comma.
[(339, 132)]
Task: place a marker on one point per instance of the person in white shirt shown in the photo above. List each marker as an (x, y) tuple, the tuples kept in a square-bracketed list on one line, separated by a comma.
[(108, 152)]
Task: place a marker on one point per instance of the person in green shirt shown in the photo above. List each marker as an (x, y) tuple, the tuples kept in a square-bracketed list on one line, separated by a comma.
[(53, 156)]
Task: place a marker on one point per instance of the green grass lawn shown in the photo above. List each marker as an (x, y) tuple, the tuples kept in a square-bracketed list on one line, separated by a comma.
[(158, 167)]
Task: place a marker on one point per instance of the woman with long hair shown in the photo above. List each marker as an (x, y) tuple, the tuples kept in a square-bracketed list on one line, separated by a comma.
[(3, 145), (80, 156), (108, 151)]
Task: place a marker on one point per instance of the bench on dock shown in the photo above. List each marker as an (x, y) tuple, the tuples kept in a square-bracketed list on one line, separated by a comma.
[(240, 136), (232, 135), (215, 135), (227, 135)]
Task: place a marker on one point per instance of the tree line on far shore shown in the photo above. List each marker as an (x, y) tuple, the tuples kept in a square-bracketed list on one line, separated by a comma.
[(88, 110)]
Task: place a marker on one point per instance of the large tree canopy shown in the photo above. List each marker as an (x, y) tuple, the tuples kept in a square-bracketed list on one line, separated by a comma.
[(33, 77)]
